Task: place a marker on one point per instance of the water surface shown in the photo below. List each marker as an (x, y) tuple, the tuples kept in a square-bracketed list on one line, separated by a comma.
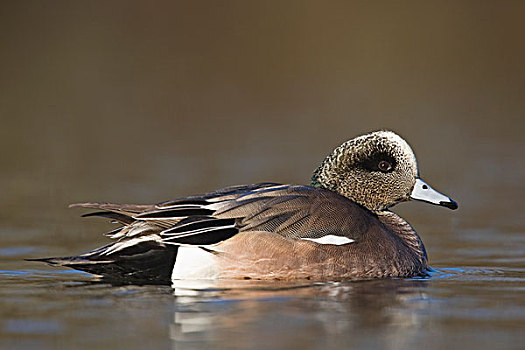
[(481, 306)]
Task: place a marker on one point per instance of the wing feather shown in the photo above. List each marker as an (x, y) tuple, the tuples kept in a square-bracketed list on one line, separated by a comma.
[(293, 211)]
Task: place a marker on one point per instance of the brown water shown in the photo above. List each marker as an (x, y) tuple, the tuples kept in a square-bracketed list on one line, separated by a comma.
[(128, 102)]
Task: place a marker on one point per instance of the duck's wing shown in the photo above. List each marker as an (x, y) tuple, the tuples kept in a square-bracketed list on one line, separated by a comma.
[(293, 211)]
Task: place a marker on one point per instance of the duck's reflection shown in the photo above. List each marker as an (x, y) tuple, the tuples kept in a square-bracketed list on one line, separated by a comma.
[(295, 315)]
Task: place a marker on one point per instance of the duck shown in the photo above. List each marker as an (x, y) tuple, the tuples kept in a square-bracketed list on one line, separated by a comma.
[(338, 227)]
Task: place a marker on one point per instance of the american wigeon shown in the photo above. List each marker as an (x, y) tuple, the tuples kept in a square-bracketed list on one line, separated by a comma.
[(338, 227)]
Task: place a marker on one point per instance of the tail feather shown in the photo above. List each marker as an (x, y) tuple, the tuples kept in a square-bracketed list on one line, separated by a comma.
[(146, 263), (120, 208), (122, 218)]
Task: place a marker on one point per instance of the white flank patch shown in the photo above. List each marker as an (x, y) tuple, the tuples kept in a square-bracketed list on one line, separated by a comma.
[(331, 239), (194, 263)]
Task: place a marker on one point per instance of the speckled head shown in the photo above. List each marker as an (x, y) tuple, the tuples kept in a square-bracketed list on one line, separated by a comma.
[(376, 170)]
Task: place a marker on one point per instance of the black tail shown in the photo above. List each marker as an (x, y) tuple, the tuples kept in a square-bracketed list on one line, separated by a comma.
[(147, 262)]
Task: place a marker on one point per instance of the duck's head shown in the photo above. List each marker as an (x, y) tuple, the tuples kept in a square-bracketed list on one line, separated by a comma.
[(377, 171)]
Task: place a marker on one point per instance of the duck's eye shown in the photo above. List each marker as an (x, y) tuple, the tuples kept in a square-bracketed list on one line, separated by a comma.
[(384, 166)]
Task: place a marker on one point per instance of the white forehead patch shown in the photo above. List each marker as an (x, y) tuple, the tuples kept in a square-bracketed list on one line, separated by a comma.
[(331, 239)]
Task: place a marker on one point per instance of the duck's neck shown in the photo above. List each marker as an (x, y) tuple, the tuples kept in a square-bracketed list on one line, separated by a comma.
[(403, 230), (326, 175)]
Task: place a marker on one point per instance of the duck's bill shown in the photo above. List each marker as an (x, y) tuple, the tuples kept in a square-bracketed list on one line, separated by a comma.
[(425, 193)]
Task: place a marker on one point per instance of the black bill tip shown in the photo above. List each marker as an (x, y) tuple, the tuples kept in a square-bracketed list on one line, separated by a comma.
[(451, 204)]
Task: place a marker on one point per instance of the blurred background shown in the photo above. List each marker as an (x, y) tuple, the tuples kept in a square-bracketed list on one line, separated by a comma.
[(141, 102), (145, 101)]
